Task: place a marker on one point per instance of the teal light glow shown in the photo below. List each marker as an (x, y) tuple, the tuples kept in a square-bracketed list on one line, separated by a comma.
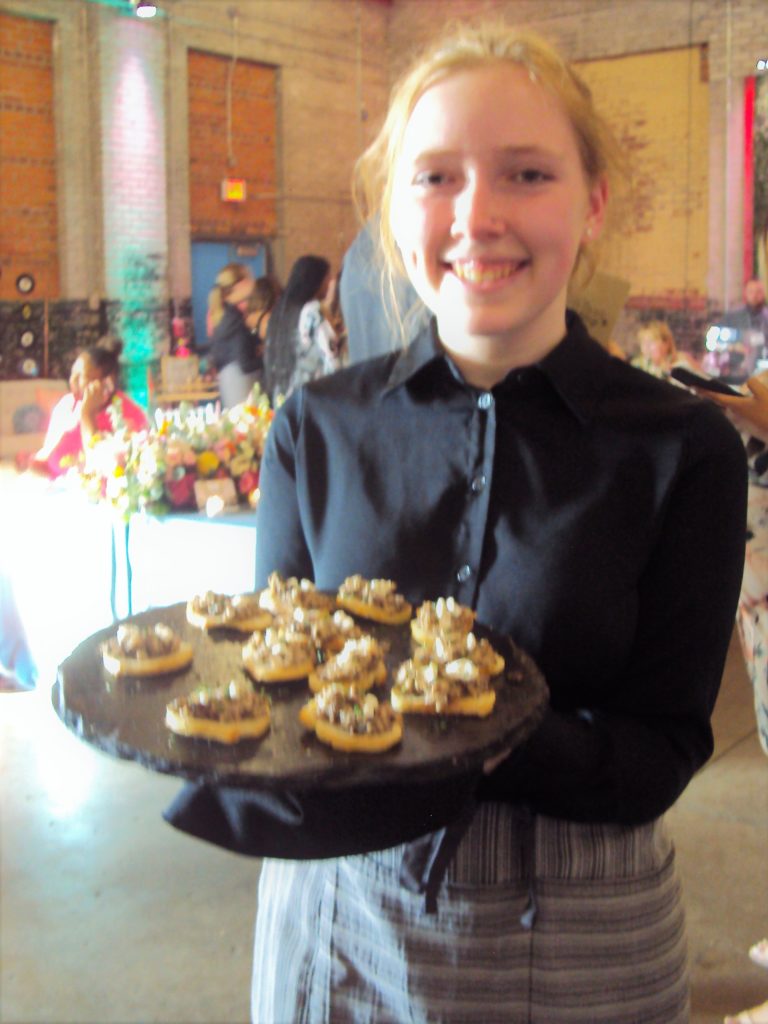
[(133, 121)]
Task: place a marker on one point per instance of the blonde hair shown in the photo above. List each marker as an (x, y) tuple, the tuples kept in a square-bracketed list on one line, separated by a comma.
[(662, 332), (226, 279), (465, 48)]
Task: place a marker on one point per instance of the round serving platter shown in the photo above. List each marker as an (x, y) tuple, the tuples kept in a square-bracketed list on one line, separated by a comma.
[(125, 717)]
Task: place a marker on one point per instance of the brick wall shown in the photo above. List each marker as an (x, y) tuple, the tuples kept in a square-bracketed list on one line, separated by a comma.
[(232, 133), (28, 195), (331, 82)]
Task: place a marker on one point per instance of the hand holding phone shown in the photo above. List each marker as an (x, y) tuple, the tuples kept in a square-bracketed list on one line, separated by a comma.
[(695, 380), (748, 411)]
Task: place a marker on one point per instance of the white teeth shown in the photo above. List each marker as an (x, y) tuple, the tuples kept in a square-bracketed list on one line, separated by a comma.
[(476, 274)]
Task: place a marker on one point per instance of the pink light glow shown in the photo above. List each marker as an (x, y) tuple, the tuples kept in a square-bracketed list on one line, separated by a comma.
[(134, 158), (749, 177)]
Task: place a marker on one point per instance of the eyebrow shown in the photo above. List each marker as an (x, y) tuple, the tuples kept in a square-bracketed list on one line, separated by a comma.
[(517, 152)]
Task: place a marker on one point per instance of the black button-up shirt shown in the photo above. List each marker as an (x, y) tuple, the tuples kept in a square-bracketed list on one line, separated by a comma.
[(590, 511)]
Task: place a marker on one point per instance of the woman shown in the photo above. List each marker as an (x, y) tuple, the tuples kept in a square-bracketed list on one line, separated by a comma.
[(233, 351), (94, 405), (658, 352), (300, 340), (506, 460), (259, 309)]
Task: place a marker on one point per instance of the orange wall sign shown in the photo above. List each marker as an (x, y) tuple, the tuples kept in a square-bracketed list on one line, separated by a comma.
[(233, 190)]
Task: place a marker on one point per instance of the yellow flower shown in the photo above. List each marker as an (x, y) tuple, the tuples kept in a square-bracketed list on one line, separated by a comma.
[(240, 464), (207, 463), (119, 471)]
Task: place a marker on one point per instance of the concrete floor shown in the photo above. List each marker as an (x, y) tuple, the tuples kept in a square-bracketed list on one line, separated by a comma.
[(110, 916)]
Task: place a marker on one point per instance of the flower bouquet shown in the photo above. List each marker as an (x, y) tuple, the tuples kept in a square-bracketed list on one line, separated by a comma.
[(156, 470)]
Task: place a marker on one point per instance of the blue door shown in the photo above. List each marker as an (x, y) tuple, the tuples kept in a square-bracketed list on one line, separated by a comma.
[(207, 260)]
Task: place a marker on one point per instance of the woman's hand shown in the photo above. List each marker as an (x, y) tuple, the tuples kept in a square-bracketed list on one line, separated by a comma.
[(97, 394), (749, 414)]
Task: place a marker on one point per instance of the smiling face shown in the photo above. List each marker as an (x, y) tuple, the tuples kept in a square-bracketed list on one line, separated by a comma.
[(490, 206)]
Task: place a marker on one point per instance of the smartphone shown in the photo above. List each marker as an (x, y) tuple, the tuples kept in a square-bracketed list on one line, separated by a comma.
[(694, 380)]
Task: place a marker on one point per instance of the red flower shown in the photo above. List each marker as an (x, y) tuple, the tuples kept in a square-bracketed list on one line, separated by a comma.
[(181, 492), (248, 482)]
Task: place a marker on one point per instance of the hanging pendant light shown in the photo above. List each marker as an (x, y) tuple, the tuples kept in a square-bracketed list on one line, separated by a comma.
[(146, 9)]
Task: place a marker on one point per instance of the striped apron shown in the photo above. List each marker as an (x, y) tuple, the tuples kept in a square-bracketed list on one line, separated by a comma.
[(539, 921)]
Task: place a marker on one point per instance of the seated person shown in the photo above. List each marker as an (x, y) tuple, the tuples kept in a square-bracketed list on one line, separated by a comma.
[(658, 352), (85, 411)]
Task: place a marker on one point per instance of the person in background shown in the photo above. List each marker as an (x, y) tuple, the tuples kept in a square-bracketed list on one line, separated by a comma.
[(233, 351), (753, 315), (259, 307), (335, 317), (215, 311), (750, 415), (751, 321), (258, 311), (94, 405), (372, 311), (504, 459), (658, 351), (300, 339), (320, 347), (18, 670)]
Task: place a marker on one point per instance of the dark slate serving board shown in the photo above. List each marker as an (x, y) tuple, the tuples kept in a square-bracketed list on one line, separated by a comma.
[(125, 717)]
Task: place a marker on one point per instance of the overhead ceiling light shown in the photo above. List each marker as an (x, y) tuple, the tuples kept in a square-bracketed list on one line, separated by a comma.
[(146, 9)]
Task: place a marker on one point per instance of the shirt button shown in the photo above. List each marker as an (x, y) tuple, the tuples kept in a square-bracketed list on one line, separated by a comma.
[(485, 401), (464, 573), (478, 483)]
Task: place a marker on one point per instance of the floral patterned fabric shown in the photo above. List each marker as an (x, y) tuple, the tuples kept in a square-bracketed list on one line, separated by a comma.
[(315, 355), (752, 616)]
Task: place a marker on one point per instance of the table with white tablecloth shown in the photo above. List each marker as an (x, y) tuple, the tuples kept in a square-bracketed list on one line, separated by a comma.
[(73, 566)]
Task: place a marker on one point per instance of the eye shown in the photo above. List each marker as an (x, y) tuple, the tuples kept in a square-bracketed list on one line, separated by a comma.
[(431, 179), (529, 176)]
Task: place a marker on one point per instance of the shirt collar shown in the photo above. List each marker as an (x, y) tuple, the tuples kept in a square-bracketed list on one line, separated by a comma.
[(424, 350), (575, 367)]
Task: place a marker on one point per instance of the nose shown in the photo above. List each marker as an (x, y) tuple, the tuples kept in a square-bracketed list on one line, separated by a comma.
[(477, 210)]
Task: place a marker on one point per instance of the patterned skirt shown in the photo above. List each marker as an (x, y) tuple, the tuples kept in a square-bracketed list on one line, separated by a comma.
[(538, 922), (752, 617)]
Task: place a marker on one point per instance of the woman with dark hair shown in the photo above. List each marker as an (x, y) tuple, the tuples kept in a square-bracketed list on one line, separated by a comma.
[(301, 343), (87, 409), (258, 309), (258, 312)]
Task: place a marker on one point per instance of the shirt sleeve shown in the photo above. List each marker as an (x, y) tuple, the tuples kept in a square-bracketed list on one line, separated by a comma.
[(628, 760), (63, 441), (63, 418), (280, 543)]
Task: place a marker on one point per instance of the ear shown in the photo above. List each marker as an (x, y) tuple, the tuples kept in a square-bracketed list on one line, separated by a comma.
[(597, 202)]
